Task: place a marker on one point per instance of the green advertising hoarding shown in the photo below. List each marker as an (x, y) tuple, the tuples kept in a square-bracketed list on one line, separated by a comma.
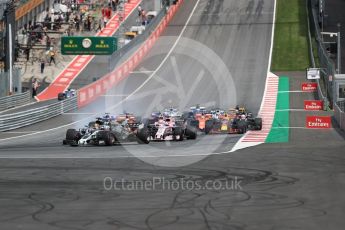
[(88, 45)]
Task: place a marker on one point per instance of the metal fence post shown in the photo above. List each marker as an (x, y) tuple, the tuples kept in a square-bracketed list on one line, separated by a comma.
[(339, 50)]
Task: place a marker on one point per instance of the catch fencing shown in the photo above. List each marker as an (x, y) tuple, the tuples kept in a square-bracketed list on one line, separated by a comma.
[(339, 114), (324, 62)]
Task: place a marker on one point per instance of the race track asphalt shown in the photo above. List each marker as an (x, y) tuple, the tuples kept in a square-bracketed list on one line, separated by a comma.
[(45, 185)]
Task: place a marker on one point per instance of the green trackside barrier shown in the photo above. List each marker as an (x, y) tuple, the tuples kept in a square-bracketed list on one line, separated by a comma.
[(280, 127)]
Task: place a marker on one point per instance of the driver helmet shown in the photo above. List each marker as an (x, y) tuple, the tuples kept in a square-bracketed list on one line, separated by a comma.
[(160, 119)]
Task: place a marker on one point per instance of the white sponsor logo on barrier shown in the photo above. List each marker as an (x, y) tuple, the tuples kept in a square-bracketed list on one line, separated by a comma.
[(82, 96), (98, 89), (105, 84), (77, 65), (91, 93), (81, 59), (63, 79), (68, 74), (119, 74), (112, 78)]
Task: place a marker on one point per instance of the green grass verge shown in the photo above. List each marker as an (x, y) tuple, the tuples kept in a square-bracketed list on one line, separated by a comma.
[(281, 118), (290, 48)]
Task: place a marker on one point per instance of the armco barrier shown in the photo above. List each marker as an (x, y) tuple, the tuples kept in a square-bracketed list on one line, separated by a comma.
[(14, 101), (339, 114), (30, 117), (91, 92)]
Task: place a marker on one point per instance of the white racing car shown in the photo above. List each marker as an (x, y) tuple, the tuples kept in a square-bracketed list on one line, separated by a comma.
[(109, 131), (167, 130)]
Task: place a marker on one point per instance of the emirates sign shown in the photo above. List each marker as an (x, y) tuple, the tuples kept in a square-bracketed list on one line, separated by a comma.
[(309, 86), (318, 122), (313, 105)]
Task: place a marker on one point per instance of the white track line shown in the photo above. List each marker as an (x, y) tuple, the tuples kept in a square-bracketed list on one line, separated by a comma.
[(294, 91), (240, 144), (292, 110), (300, 128), (139, 72), (114, 95), (78, 114), (43, 131), (272, 37), (168, 55), (14, 132), (109, 157)]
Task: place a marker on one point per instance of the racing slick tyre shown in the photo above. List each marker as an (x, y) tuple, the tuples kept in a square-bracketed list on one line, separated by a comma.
[(192, 122), (106, 136), (110, 140), (61, 96), (208, 126), (242, 126), (258, 123), (178, 134), (191, 133), (72, 137), (150, 126), (143, 136)]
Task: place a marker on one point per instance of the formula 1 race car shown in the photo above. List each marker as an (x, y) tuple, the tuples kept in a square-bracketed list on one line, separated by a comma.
[(235, 121), (170, 126), (67, 94), (236, 125), (109, 130)]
